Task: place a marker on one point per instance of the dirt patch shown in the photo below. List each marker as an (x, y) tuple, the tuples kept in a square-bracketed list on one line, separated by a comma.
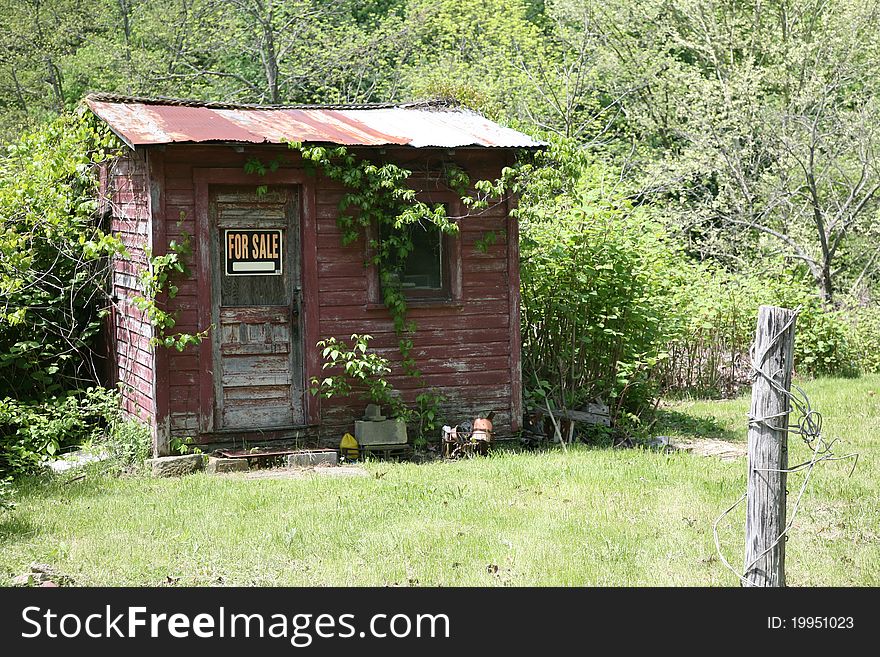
[(301, 473), (829, 522), (721, 449)]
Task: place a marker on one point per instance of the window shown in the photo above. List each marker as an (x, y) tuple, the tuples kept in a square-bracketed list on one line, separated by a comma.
[(432, 270), (423, 272)]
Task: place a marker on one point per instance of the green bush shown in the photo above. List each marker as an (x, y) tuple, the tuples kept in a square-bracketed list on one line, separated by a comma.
[(32, 432), (710, 357), (597, 298), (53, 258), (53, 275), (359, 370), (7, 503), (823, 344), (864, 326)]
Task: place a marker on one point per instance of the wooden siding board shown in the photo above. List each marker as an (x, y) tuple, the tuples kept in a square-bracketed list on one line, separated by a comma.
[(129, 193), (431, 325), (473, 313), (204, 379)]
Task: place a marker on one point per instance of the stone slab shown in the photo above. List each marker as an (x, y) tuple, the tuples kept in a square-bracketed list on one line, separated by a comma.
[(218, 466), (175, 466), (306, 459)]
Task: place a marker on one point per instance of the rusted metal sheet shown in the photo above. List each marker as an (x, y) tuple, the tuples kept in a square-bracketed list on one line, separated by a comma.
[(141, 121)]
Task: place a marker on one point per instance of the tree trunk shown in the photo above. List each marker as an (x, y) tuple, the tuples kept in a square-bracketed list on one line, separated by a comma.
[(270, 59), (19, 93), (827, 284), (54, 79)]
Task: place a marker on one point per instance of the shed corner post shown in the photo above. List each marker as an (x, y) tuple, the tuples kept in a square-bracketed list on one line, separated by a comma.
[(515, 302), (160, 423), (162, 436)]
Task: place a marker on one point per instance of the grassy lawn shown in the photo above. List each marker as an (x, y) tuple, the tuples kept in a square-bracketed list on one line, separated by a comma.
[(588, 517)]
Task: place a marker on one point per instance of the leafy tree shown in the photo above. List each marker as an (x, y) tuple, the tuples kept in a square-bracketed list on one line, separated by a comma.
[(767, 123), (578, 94), (38, 37), (475, 52)]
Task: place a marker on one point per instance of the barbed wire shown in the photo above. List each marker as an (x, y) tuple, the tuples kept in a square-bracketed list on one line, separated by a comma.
[(808, 426)]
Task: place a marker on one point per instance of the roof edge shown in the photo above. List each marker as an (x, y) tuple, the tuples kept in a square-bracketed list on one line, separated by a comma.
[(140, 120), (431, 103)]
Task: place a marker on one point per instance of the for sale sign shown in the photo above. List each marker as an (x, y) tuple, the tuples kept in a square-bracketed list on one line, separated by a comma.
[(253, 252)]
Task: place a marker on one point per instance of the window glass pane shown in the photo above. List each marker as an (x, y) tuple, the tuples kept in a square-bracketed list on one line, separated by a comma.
[(254, 291), (423, 269)]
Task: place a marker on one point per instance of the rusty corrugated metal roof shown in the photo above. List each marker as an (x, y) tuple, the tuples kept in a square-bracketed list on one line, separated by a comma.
[(150, 121)]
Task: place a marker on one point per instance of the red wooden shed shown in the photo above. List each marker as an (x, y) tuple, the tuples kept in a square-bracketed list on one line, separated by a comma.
[(185, 175)]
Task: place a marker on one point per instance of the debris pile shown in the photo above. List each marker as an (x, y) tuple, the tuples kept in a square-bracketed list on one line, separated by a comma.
[(561, 425), (468, 438)]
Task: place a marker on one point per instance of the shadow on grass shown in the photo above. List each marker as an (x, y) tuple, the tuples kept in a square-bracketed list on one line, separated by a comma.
[(13, 527), (672, 421), (88, 481)]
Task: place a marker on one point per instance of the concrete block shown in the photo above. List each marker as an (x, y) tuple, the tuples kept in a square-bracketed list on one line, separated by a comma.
[(386, 432), (306, 459), (175, 466), (218, 465)]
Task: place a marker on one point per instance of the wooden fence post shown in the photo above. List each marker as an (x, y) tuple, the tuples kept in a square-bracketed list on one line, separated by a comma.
[(768, 447)]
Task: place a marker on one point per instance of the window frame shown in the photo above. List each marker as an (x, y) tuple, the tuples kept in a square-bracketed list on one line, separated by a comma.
[(450, 293)]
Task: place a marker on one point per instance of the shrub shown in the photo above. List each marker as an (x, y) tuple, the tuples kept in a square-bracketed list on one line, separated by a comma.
[(53, 273), (53, 258), (864, 324), (426, 417), (32, 432), (7, 503), (823, 346), (711, 355), (597, 298), (362, 372)]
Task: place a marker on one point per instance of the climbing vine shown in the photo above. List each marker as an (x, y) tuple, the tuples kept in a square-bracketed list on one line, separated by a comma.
[(160, 276), (256, 166), (378, 196)]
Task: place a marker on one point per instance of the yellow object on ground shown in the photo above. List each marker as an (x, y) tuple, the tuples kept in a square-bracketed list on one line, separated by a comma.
[(348, 447)]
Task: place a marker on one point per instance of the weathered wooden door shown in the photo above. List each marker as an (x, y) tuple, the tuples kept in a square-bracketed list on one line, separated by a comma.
[(255, 263)]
